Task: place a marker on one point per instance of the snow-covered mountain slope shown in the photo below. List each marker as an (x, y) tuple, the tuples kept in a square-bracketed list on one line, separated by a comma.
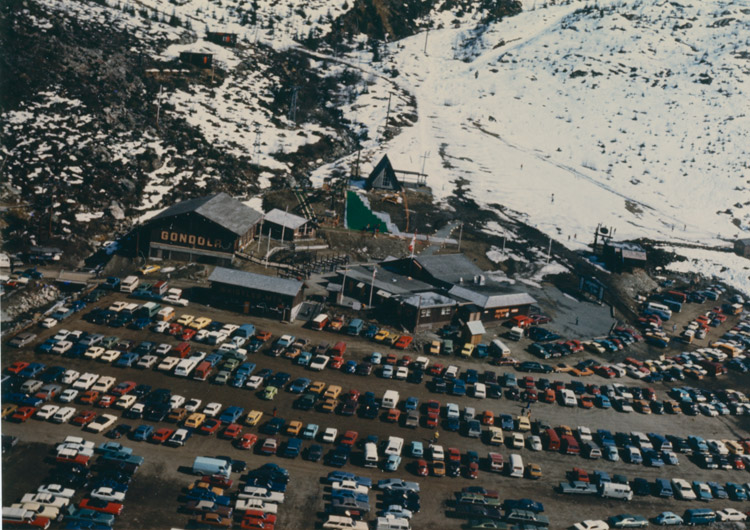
[(630, 114)]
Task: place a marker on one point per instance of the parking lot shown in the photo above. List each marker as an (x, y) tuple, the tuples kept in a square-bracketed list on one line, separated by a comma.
[(153, 500)]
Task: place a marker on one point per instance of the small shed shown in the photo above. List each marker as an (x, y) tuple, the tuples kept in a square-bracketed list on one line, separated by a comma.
[(383, 177), (287, 226), (742, 247), (199, 59), (473, 332), (225, 39)]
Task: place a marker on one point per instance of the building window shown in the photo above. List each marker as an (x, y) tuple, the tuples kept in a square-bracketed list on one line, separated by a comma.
[(445, 311), (425, 313)]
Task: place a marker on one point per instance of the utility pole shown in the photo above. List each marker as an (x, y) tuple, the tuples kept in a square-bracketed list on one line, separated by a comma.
[(372, 285), (427, 33), (549, 250), (283, 228), (293, 106), (387, 114), (460, 233), (424, 158), (256, 146), (158, 106)]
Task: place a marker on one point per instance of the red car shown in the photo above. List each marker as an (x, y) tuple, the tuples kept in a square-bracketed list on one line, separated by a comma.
[(575, 346), (548, 396), (336, 363), (98, 505), (252, 523), (232, 431), (538, 320), (454, 454), (403, 342), (605, 371), (488, 418), (268, 518), (84, 417), (218, 481), (247, 441), (431, 421), (89, 397), (188, 333), (435, 369), (353, 395), (580, 475), (404, 361), (530, 395), (586, 402), (22, 414), (161, 435), (175, 329), (737, 462), (433, 406), (393, 415), (123, 388), (269, 447), (349, 438), (527, 382), (422, 469), (16, 367), (210, 426), (390, 359), (263, 336), (472, 470), (106, 402)]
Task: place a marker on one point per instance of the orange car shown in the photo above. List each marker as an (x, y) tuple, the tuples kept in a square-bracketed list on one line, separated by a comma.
[(488, 418), (263, 336)]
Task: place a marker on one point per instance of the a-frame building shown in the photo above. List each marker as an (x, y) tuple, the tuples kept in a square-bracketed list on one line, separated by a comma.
[(383, 177)]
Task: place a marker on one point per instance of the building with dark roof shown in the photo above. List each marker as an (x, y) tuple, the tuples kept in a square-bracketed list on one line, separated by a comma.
[(207, 229), (623, 256), (424, 310), (358, 282), (742, 247), (440, 270), (287, 226), (491, 302), (248, 292), (383, 177)]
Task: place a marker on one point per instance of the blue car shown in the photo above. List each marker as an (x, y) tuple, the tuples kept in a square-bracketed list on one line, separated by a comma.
[(142, 433), (304, 358), (718, 491), (350, 367), (411, 403), (668, 519), (299, 385), (506, 422), (736, 492), (238, 381), (458, 388), (127, 360), (231, 414), (47, 345), (272, 426), (392, 463), (32, 370), (245, 369)]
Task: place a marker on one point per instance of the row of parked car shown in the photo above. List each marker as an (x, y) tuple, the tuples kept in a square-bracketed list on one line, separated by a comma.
[(691, 517), (104, 497)]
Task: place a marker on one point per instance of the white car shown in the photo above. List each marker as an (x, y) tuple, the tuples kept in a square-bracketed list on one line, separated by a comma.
[(176, 401), (212, 409), (56, 489), (708, 410), (110, 356), (254, 382), (230, 328), (125, 402), (591, 525), (584, 434), (160, 327), (329, 435), (168, 363), (94, 352), (63, 415), (730, 514), (105, 421), (452, 411), (48, 323), (68, 395), (61, 347), (104, 383), (69, 377), (163, 349), (40, 510), (402, 372), (202, 335), (118, 306), (61, 334), (192, 405), (147, 361), (197, 356), (46, 412), (47, 499), (682, 490), (108, 494), (480, 390), (85, 381), (319, 362), (535, 443)]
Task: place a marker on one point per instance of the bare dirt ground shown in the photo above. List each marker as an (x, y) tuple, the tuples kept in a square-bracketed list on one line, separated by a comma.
[(153, 499)]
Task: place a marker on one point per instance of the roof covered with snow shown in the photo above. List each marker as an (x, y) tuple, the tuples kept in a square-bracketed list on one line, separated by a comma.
[(429, 300), (449, 268), (286, 219), (258, 282), (475, 327), (219, 208)]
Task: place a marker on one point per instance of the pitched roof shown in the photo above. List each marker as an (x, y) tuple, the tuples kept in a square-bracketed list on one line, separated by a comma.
[(259, 282), (449, 268), (383, 176), (491, 300), (219, 208), (429, 300), (386, 280), (282, 218), (475, 327)]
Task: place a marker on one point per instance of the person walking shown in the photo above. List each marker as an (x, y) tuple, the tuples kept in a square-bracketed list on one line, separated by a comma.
[(274, 412)]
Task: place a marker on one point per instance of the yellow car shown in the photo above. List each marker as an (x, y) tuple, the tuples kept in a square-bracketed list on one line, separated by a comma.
[(316, 387), (200, 323), (195, 420), (332, 392), (328, 405), (253, 418), (467, 350), (435, 347), (524, 425), (185, 320), (382, 335), (8, 409), (148, 269), (534, 471), (198, 484), (294, 428)]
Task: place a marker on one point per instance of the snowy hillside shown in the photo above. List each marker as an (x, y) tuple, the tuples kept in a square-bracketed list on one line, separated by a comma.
[(633, 114)]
